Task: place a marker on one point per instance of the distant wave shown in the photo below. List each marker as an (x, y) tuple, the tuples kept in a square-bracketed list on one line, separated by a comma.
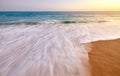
[(69, 22), (52, 22)]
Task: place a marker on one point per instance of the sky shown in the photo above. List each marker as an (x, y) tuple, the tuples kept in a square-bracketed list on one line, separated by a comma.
[(59, 5)]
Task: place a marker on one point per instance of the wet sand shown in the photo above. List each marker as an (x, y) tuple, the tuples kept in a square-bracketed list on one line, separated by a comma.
[(105, 58)]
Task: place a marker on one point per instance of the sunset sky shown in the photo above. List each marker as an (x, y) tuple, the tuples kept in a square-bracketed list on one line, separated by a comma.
[(59, 5)]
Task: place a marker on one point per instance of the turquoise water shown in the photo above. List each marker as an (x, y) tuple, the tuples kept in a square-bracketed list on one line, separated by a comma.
[(58, 17)]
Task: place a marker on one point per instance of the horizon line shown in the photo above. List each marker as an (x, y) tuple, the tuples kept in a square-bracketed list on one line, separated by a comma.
[(61, 11)]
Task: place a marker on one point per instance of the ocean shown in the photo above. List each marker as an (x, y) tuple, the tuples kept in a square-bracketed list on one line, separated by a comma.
[(9, 18), (52, 43)]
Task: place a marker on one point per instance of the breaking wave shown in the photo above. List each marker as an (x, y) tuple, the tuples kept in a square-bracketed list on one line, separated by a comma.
[(51, 22)]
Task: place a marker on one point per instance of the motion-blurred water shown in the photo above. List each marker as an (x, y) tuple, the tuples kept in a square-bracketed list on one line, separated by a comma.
[(52, 43)]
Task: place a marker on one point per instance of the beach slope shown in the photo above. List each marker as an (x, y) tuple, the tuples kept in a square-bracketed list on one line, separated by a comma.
[(105, 58)]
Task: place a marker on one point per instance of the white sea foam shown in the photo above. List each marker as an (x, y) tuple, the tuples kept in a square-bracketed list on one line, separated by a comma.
[(50, 50)]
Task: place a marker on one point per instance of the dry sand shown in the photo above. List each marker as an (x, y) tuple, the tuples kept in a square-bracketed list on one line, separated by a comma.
[(105, 58)]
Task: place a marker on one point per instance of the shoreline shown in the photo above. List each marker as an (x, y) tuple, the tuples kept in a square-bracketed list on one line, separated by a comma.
[(105, 58)]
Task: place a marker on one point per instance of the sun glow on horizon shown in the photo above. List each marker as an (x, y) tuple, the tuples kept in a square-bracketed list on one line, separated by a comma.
[(97, 5), (109, 4), (60, 5), (112, 5)]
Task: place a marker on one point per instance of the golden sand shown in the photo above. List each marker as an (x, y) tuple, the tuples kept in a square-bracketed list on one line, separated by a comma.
[(105, 58)]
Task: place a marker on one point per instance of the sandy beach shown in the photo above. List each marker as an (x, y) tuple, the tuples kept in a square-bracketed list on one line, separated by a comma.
[(105, 58)]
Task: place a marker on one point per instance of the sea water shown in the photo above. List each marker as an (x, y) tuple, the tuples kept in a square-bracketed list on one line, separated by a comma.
[(52, 43)]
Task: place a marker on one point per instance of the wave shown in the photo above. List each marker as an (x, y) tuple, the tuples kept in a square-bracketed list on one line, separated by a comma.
[(50, 50), (68, 22), (51, 22)]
